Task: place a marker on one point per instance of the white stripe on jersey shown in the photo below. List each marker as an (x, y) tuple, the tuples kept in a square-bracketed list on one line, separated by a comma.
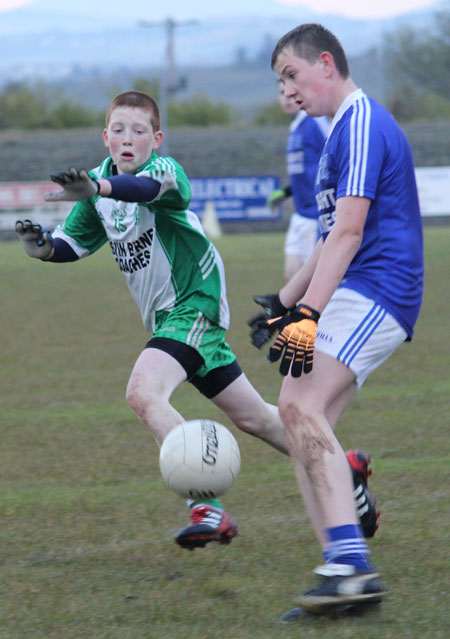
[(166, 164), (163, 170), (207, 262), (197, 331), (359, 146), (101, 170)]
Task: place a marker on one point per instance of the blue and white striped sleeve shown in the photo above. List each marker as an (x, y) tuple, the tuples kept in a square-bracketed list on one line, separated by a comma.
[(361, 154)]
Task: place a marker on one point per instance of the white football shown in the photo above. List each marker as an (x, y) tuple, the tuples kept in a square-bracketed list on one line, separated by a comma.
[(200, 459)]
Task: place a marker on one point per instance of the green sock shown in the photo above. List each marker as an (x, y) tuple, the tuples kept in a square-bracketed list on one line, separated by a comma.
[(209, 502)]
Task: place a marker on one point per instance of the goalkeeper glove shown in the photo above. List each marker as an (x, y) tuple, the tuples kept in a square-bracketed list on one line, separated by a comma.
[(278, 196), (295, 343), (36, 239), (272, 307), (77, 185)]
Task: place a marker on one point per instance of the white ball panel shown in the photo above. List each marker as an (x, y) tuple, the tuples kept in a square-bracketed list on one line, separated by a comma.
[(200, 459)]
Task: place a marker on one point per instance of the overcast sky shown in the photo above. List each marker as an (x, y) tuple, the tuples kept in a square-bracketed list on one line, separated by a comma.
[(359, 8), (203, 8)]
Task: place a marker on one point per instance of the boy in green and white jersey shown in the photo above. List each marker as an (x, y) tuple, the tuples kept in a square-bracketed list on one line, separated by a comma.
[(159, 245), (139, 203)]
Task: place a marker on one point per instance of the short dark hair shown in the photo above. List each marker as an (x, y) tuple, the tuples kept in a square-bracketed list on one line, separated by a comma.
[(308, 41), (137, 100)]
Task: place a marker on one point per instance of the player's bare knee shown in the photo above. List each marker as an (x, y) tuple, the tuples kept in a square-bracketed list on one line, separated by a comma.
[(306, 436), (293, 415), (146, 398)]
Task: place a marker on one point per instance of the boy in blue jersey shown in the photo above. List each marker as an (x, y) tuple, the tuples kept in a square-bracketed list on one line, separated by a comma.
[(304, 144), (360, 294)]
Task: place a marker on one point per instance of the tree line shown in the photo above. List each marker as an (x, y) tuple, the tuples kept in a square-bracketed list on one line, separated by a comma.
[(23, 106)]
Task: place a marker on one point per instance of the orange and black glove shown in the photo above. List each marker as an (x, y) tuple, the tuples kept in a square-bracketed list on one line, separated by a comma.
[(295, 342)]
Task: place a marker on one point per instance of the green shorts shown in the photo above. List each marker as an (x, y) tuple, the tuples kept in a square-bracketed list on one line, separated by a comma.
[(189, 326)]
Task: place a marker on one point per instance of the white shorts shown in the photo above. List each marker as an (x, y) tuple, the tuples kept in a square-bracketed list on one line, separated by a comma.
[(358, 332), (301, 236)]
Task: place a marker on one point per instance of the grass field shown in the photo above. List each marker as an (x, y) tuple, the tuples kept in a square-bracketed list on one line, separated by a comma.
[(86, 523)]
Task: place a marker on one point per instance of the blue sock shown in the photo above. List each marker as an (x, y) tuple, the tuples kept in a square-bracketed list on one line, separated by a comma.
[(347, 545)]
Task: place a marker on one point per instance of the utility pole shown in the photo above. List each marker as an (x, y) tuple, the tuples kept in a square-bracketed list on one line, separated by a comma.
[(168, 79)]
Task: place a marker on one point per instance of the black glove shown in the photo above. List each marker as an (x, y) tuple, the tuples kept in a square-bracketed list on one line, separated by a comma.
[(36, 239), (77, 185), (272, 307), (295, 343)]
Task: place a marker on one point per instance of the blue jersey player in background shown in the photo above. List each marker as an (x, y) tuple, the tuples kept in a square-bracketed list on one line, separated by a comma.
[(360, 295), (304, 145)]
